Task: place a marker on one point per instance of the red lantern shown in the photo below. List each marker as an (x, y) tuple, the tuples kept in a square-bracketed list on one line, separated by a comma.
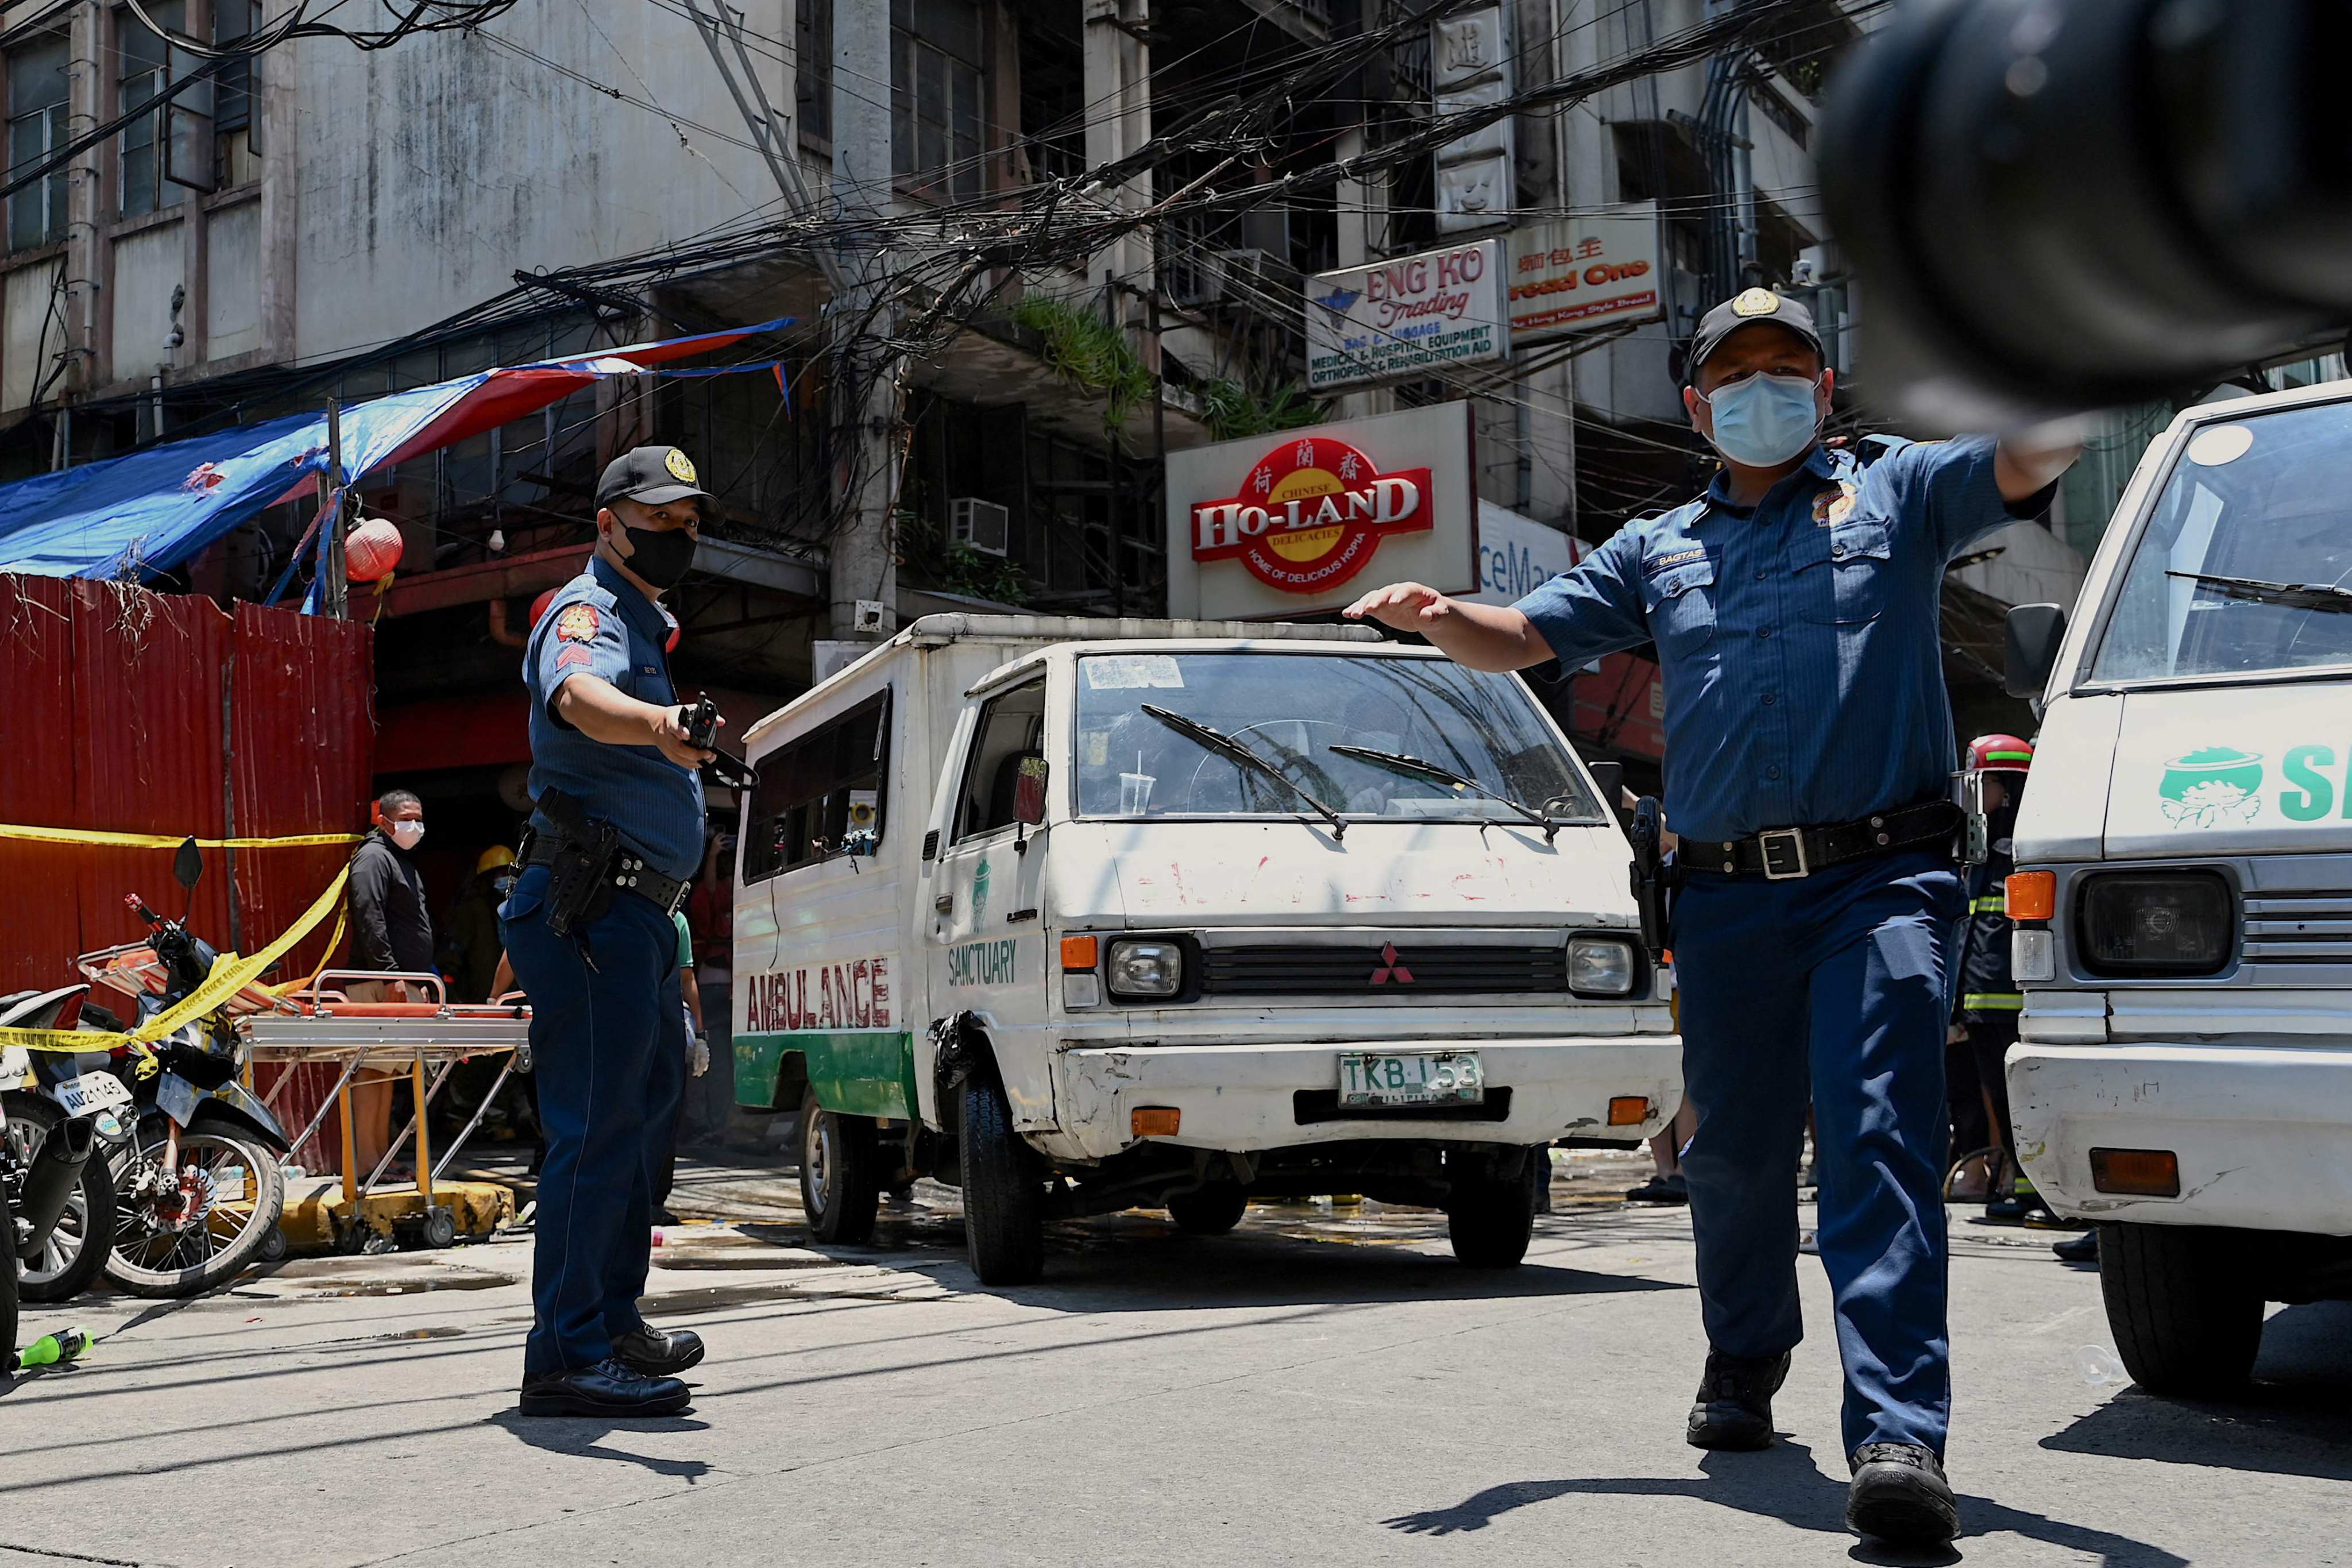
[(371, 551), (538, 606)]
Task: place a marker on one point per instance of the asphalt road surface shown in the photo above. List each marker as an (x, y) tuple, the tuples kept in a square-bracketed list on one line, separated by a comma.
[(1323, 1386)]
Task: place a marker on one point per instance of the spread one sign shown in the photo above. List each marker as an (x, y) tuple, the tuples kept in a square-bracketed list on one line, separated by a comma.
[(1289, 525), (1310, 514), (1577, 274), (1401, 317)]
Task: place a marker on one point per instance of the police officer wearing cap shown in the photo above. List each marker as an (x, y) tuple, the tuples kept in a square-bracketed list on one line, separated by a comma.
[(616, 830), (1794, 608)]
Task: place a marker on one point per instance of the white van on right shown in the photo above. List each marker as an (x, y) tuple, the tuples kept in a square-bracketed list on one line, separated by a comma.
[(2183, 901)]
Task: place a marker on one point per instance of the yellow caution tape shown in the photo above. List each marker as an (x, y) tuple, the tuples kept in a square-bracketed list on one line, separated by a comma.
[(230, 975), (166, 841)]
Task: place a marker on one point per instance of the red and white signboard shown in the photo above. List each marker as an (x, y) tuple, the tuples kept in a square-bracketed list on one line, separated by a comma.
[(1272, 526), (1580, 274)]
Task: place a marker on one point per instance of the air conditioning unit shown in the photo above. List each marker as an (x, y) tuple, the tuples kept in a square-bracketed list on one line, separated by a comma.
[(983, 524)]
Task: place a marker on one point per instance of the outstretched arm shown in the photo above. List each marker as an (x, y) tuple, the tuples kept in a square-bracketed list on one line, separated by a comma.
[(1483, 637)]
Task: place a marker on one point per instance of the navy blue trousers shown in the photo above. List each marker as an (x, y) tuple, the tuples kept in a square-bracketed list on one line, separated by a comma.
[(1835, 984), (607, 1090)]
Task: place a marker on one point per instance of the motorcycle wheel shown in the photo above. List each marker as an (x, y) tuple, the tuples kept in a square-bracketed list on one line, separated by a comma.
[(244, 1192), (76, 1249), (7, 1286)]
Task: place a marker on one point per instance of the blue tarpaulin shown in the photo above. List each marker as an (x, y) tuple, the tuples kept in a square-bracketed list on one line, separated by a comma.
[(148, 512)]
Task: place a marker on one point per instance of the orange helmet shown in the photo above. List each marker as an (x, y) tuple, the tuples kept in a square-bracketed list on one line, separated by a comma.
[(1999, 753)]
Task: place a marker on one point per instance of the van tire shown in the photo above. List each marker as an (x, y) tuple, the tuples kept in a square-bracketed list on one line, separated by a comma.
[(2186, 1318), (1210, 1210), (841, 1174), (1003, 1198), (1491, 1222)]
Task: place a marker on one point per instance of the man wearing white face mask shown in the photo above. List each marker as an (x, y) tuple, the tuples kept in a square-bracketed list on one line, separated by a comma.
[(1795, 608), (390, 930)]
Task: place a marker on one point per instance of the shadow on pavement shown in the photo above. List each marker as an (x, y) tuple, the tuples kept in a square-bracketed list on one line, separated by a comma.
[(1783, 1483), (581, 1437), (1137, 1261), (2291, 1422)]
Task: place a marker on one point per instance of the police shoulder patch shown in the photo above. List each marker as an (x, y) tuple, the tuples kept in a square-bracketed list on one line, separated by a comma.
[(578, 623)]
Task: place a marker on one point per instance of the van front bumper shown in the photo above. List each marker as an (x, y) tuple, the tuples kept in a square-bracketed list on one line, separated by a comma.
[(2264, 1133), (1247, 1097)]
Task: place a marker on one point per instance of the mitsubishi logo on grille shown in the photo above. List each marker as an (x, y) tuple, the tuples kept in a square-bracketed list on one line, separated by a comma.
[(1392, 969)]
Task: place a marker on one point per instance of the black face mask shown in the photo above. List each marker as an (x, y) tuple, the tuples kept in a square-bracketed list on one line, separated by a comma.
[(661, 557)]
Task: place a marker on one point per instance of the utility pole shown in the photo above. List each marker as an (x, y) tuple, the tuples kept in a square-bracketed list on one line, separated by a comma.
[(865, 365)]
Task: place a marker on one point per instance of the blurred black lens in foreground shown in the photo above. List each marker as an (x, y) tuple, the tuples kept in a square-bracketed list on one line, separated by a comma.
[(2060, 204)]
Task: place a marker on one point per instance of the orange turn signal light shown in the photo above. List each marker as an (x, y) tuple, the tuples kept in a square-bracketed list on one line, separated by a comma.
[(1628, 1111), (2032, 895), (2139, 1172), (1153, 1120), (1079, 952)]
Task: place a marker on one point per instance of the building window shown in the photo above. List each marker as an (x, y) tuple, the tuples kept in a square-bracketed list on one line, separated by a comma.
[(235, 162), (935, 82), (143, 69), (37, 129), (813, 71)]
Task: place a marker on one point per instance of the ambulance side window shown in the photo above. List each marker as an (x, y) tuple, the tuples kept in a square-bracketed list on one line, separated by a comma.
[(1012, 727), (821, 795)]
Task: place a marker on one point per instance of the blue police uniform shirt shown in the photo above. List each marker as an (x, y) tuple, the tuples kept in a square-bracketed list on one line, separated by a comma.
[(599, 624), (1798, 642)]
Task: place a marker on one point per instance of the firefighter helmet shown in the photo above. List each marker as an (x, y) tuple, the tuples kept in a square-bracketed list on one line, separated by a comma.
[(1999, 753)]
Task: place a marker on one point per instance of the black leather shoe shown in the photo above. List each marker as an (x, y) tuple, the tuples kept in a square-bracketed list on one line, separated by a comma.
[(1734, 1408), (1900, 1496), (2082, 1248), (608, 1388), (657, 1354)]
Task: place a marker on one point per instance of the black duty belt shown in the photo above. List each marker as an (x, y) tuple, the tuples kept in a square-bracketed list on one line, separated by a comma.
[(1784, 854), (629, 873)]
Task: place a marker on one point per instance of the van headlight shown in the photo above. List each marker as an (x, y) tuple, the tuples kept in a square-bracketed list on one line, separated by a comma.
[(1144, 969), (1600, 966), (2155, 922)]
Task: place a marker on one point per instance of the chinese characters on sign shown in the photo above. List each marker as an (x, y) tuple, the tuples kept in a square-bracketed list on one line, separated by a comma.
[(1470, 69), (1282, 526), (1577, 274), (1310, 514), (1401, 317)]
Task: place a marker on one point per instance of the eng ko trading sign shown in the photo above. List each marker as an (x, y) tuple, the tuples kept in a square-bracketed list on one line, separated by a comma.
[(1399, 318), (1286, 525)]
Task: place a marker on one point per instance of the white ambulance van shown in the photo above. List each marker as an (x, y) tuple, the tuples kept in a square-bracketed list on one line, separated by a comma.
[(2184, 890), (1087, 915)]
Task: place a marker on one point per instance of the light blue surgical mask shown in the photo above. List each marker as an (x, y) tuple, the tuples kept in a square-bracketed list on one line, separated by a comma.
[(1765, 420)]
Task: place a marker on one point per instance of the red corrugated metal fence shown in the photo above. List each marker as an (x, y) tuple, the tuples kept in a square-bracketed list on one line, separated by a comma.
[(120, 703)]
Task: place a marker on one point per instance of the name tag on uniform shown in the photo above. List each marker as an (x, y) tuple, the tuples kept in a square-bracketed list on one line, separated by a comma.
[(1684, 557)]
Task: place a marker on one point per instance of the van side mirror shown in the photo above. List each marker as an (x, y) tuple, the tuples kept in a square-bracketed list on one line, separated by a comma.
[(1609, 778), (188, 864), (1029, 791), (2032, 650)]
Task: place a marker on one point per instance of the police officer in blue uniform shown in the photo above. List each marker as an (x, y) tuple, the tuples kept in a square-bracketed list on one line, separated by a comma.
[(615, 832), (1809, 744)]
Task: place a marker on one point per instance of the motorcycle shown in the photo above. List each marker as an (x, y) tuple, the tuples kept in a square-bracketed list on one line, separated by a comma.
[(57, 1124), (198, 1188)]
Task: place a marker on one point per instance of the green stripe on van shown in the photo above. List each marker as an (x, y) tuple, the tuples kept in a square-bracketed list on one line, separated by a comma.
[(862, 1072)]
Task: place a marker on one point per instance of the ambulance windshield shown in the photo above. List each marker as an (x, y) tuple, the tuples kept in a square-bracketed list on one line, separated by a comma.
[(1291, 709), (2245, 564)]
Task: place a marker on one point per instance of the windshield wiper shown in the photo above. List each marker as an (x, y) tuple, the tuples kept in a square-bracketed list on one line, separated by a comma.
[(1398, 762), (2295, 596), (1226, 746)]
